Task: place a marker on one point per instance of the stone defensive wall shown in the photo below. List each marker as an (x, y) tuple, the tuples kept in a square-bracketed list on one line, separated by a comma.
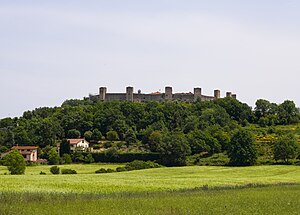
[(168, 95)]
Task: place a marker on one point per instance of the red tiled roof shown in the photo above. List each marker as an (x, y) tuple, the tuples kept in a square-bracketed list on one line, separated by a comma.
[(24, 147), (155, 93), (74, 141), (26, 153)]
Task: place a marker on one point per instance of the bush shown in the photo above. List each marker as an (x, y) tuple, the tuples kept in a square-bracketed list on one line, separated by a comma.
[(89, 159), (121, 169), (110, 170), (15, 163), (54, 170), (137, 164), (68, 171), (42, 173), (102, 170), (66, 158)]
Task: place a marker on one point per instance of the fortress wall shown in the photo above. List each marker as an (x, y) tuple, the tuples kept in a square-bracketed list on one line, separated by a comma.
[(147, 97), (115, 97), (183, 97), (207, 98)]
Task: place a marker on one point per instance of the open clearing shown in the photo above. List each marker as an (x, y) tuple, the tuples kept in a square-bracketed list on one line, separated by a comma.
[(176, 190), (161, 179)]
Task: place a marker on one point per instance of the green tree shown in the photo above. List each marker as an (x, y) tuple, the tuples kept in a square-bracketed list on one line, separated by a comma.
[(89, 158), (130, 136), (288, 113), (66, 158), (154, 140), (97, 135), (74, 133), (53, 156), (64, 147), (112, 135), (88, 135), (174, 149), (15, 163), (285, 148), (242, 151)]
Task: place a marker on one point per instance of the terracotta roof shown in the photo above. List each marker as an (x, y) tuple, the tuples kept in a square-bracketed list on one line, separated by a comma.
[(74, 141), (155, 93), (24, 147), (26, 153)]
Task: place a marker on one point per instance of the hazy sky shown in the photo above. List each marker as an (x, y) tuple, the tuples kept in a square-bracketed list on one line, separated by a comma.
[(55, 50)]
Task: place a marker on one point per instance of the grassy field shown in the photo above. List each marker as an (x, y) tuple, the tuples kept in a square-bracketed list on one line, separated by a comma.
[(265, 200), (161, 179), (178, 190)]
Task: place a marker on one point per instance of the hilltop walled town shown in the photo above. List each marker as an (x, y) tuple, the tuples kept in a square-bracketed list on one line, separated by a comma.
[(168, 95)]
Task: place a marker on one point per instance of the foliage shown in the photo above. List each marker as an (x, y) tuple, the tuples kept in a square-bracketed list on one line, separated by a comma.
[(102, 170), (15, 163), (285, 148), (154, 140), (174, 149), (219, 159), (66, 159), (112, 135), (74, 133), (53, 157), (55, 170), (3, 149), (121, 169), (137, 164), (64, 147), (89, 158), (68, 171), (110, 170), (242, 151), (88, 135)]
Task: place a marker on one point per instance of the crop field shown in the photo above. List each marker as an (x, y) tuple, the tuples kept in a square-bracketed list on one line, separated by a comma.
[(176, 190)]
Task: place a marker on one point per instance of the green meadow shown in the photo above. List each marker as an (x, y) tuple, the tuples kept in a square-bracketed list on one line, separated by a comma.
[(175, 190)]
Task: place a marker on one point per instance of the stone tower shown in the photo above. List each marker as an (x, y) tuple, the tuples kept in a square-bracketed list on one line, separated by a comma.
[(168, 93), (102, 93), (197, 93), (217, 94), (233, 96), (129, 94), (228, 94)]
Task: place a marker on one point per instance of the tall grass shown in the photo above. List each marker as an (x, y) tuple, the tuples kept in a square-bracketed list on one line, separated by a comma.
[(260, 200), (150, 180)]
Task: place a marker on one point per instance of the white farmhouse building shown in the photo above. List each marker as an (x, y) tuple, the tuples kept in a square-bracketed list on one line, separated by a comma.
[(78, 144)]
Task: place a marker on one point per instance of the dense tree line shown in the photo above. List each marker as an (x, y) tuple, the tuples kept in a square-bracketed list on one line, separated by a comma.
[(187, 128)]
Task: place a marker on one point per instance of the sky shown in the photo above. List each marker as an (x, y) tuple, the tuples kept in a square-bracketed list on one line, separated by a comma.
[(51, 51)]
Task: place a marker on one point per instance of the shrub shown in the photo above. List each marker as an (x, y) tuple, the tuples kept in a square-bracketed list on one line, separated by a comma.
[(66, 158), (89, 159), (54, 170), (15, 163), (110, 170), (121, 169), (42, 173), (137, 164), (68, 171), (102, 170)]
